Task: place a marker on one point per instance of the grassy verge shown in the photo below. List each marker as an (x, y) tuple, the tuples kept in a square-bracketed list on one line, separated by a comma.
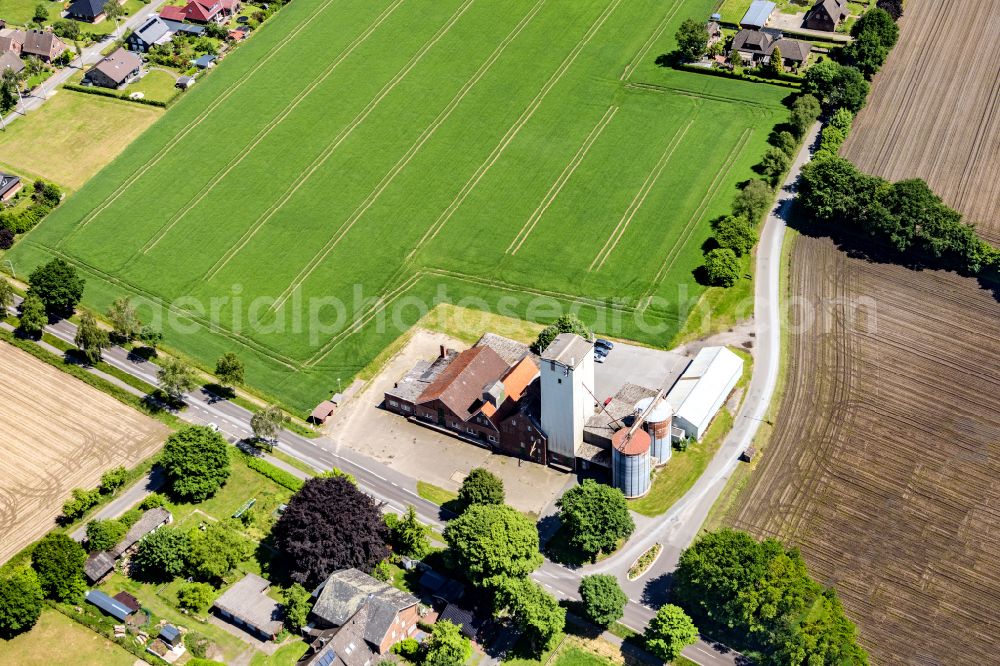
[(435, 494), (294, 462), (741, 475), (719, 308), (74, 358), (677, 476)]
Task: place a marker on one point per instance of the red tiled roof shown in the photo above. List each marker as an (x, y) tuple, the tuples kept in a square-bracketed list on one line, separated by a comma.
[(199, 10), (173, 13), (514, 383), (461, 384)]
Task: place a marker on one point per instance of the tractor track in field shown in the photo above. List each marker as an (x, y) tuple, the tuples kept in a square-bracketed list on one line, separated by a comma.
[(407, 157), (640, 198), (327, 152), (515, 129), (644, 50), (561, 181), (162, 152), (690, 225), (266, 130)]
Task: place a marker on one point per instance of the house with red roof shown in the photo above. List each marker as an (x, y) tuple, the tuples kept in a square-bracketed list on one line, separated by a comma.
[(209, 11), (173, 13)]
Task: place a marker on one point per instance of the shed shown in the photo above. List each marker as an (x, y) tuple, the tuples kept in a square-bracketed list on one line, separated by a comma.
[(322, 412), (700, 392), (758, 14), (98, 565), (150, 521), (205, 61), (112, 607), (185, 82), (9, 185), (170, 635), (128, 600), (465, 619), (246, 604)]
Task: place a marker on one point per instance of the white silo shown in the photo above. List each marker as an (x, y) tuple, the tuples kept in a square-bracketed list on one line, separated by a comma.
[(657, 420)]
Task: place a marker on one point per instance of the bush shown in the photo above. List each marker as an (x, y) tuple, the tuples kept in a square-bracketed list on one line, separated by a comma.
[(113, 479), (722, 267), (195, 597), (80, 503), (408, 649), (276, 474), (153, 501), (842, 119), (66, 29), (104, 534), (6, 239), (831, 139)]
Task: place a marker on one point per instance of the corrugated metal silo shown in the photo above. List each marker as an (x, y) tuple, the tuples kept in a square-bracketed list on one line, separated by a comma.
[(658, 422), (630, 464)]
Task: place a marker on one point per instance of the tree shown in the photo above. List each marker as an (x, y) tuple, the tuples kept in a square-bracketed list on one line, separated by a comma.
[(229, 369), (104, 534), (877, 22), (867, 53), (33, 318), (805, 111), (489, 543), (176, 378), (58, 285), (216, 550), (736, 233), (753, 200), (6, 297), (329, 525), (41, 14), (151, 336), (8, 91), (480, 487), (447, 646), (408, 535), (836, 85), (80, 502), (6, 238), (152, 501), (267, 423), (603, 599), (20, 602), (113, 479), (787, 143), (90, 338), (831, 139), (58, 561), (569, 323), (669, 632), (775, 64), (774, 164), (113, 10), (195, 597), (534, 610), (722, 267), (692, 40), (124, 320), (163, 553), (297, 602), (596, 517), (892, 7), (67, 29), (196, 460), (842, 119)]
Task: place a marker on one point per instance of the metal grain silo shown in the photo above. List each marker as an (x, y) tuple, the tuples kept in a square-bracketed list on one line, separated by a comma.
[(658, 420), (630, 465)]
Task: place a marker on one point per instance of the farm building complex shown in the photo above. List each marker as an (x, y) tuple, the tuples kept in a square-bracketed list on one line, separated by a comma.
[(543, 408)]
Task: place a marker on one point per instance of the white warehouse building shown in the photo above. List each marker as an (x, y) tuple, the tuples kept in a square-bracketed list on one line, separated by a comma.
[(703, 388)]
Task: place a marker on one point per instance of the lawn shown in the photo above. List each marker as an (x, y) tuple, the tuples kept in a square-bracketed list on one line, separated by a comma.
[(20, 12), (72, 136), (679, 474), (56, 639), (516, 157), (158, 84)]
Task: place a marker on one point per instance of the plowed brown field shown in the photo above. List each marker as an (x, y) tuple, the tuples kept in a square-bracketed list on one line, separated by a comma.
[(885, 464), (934, 110), (56, 434)]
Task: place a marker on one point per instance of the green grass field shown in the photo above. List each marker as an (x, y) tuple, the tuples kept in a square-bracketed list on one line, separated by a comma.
[(359, 161), (56, 639)]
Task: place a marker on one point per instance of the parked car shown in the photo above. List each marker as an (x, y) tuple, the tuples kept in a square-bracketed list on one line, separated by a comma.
[(601, 343)]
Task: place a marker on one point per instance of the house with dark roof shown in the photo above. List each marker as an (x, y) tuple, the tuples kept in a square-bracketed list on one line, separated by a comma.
[(115, 70), (368, 617), (12, 40), (100, 564), (247, 605), (825, 15), (91, 11), (10, 60), (9, 184), (466, 620), (756, 46), (153, 31), (43, 45), (185, 28)]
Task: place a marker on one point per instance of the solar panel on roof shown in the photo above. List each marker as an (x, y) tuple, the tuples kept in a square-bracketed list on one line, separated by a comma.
[(326, 658)]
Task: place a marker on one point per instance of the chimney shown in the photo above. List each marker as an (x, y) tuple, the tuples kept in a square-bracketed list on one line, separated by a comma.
[(442, 351)]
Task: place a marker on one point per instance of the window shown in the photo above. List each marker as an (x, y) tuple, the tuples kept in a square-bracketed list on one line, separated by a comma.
[(492, 438), (559, 380), (406, 408), (393, 403)]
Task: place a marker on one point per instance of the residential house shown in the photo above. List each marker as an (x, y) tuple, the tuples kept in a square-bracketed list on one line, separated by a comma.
[(91, 11), (826, 15), (173, 13), (359, 619), (204, 11), (247, 605), (115, 70), (153, 31), (12, 40), (754, 47), (99, 565), (758, 14), (10, 60), (9, 184), (43, 45), (489, 394)]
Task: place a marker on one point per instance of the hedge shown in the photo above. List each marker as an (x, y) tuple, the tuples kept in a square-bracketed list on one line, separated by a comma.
[(276, 474), (786, 80), (104, 92)]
